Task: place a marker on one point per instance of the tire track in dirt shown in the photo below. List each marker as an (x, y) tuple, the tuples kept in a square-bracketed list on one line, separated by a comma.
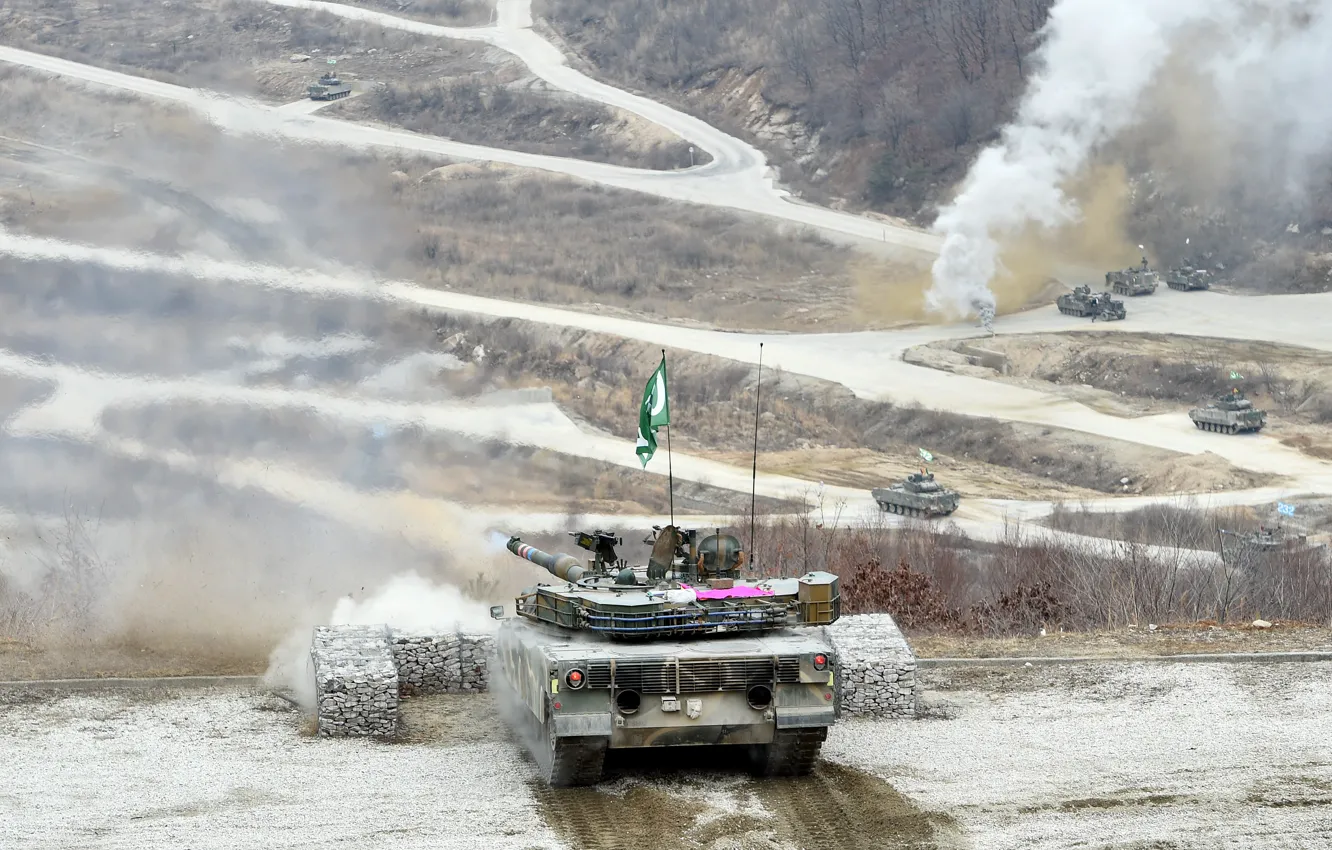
[(835, 807)]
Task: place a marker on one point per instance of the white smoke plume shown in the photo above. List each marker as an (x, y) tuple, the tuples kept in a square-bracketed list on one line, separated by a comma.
[(1264, 65), (415, 604), (407, 602)]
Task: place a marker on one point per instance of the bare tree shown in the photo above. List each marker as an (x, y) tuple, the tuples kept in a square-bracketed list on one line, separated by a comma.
[(845, 23), (797, 50), (892, 115)]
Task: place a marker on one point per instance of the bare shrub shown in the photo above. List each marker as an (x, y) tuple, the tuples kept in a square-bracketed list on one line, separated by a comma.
[(480, 109), (1029, 582), (1181, 526), (66, 598)]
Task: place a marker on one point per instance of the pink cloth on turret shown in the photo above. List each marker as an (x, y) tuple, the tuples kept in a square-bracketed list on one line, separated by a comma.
[(737, 592)]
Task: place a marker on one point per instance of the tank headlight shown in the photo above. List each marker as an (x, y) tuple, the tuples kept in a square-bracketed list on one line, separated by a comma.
[(820, 661), (575, 679)]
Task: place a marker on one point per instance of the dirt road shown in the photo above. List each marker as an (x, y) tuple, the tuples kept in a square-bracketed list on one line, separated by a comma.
[(869, 363), (736, 178)]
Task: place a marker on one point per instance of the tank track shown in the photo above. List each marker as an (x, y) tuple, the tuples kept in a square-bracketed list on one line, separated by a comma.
[(792, 752), (1219, 428), (573, 762), (903, 510)]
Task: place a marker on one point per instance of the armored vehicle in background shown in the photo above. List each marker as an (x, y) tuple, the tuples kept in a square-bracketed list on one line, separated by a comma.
[(681, 652), (917, 495), (329, 87), (1230, 413), (1188, 279), (1256, 547), (1135, 281), (1083, 302)]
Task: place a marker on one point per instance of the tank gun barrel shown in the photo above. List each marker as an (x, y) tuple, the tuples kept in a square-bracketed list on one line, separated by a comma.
[(561, 566)]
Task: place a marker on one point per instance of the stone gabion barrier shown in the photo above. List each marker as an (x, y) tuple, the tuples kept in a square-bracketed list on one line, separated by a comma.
[(356, 681), (361, 671), (876, 674), (441, 664)]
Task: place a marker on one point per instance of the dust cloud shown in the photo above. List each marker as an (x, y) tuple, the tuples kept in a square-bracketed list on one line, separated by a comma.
[(1031, 260), (149, 551), (1255, 67)]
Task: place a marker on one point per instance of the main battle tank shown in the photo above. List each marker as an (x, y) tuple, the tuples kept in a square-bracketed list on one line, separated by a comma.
[(678, 653), (917, 495), (1083, 302), (1186, 278), (1134, 281), (329, 87), (1230, 413)]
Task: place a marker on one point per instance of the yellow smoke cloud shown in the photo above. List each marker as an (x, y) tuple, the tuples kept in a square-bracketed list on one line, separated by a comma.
[(1034, 262)]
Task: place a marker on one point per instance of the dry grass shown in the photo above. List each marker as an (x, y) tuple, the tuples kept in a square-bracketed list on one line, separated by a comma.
[(100, 660), (481, 109), (555, 241), (222, 44), (600, 379), (449, 13), (431, 465), (143, 176), (1160, 368), (1139, 374), (1185, 526), (454, 89), (935, 581)]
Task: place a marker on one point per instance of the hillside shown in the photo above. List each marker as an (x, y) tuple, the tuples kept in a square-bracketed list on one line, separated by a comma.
[(882, 104)]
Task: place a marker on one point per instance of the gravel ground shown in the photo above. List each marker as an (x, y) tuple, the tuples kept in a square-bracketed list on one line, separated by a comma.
[(1150, 755), (225, 770), (1119, 755)]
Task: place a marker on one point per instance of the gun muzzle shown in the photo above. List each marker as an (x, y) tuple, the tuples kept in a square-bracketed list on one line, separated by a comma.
[(561, 566)]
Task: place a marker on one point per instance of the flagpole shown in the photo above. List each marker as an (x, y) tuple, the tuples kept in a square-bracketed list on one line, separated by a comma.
[(753, 491), (670, 473)]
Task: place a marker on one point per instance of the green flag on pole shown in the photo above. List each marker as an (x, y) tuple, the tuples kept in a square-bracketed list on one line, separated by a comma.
[(655, 411), (926, 456), (1236, 376)]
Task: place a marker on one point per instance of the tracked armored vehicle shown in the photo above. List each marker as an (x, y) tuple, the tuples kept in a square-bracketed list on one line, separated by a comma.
[(917, 495), (1256, 547), (1230, 413), (1083, 302), (1133, 282), (329, 87), (681, 652), (1188, 279)]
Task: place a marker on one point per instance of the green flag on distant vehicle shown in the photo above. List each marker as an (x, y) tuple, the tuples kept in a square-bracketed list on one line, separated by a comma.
[(926, 456)]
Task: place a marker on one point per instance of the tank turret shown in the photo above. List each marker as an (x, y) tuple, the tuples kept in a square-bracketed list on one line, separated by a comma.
[(680, 651)]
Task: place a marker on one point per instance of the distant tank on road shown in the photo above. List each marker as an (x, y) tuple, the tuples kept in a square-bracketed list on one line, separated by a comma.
[(329, 87), (1230, 413), (917, 495)]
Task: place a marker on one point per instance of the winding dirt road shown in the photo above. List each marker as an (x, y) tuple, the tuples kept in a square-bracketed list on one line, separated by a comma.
[(870, 363)]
